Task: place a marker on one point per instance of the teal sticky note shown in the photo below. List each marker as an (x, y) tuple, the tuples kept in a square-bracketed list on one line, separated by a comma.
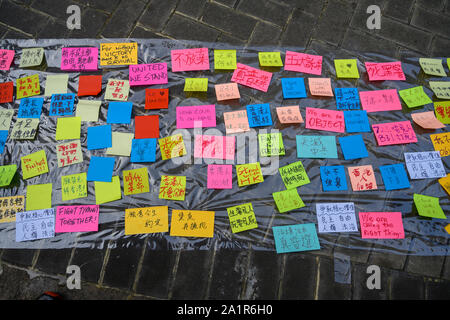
[(316, 147), (295, 238)]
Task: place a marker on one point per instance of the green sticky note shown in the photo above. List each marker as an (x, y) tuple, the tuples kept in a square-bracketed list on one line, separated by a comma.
[(271, 144), (172, 188), (31, 57), (288, 200), (432, 67), (135, 181), (225, 60), (68, 128), (34, 164), (121, 144), (39, 196), (294, 175), (7, 174), (428, 206), (74, 186), (242, 217), (346, 68), (270, 59), (441, 89), (196, 84), (56, 83), (107, 191), (415, 97)]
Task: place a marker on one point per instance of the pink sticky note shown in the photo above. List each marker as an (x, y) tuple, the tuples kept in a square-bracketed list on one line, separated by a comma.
[(394, 133), (427, 120), (320, 87), (302, 62), (6, 57), (190, 59), (380, 100), (79, 59), (289, 114), (251, 77), (381, 225), (220, 176), (326, 120), (148, 74), (196, 116), (76, 218), (385, 71), (214, 147)]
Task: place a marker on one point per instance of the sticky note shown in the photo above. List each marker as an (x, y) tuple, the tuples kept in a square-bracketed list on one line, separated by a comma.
[(5, 118), (320, 87), (347, 99), (34, 164), (196, 116), (325, 120), (394, 177), (56, 83), (294, 175), (117, 89), (88, 110), (442, 110), (68, 128), (316, 147), (424, 165), (143, 150), (74, 186), (190, 59), (100, 169), (28, 86), (146, 220), (415, 97), (392, 133), (385, 71), (346, 68), (271, 144), (251, 77), (288, 200), (441, 89), (172, 188), (172, 147), (259, 115), (107, 191), (6, 58), (444, 182), (135, 181), (79, 59), (25, 129), (432, 67), (62, 104), (236, 121), (192, 223), (428, 206), (380, 100), (302, 62), (35, 224), (156, 98), (227, 91), (6, 91), (441, 143), (220, 176), (89, 85), (69, 153), (381, 225), (117, 54), (39, 196), (270, 59), (99, 137), (353, 147), (336, 217), (119, 112), (30, 108), (148, 74), (248, 174), (427, 120), (224, 59), (121, 144), (76, 218), (289, 114), (214, 147), (296, 238), (196, 84), (7, 173), (10, 206), (31, 57), (242, 217), (333, 178), (362, 178), (3, 138), (293, 88), (146, 127)]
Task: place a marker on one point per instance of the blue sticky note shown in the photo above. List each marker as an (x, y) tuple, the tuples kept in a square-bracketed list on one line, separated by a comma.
[(356, 121), (99, 137), (119, 112), (3, 137), (293, 88), (259, 115), (295, 238), (62, 104), (353, 147), (143, 150), (30, 108), (333, 178), (394, 177), (347, 99), (101, 169), (316, 147)]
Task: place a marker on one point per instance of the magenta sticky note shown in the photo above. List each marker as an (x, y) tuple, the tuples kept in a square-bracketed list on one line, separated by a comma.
[(6, 58), (214, 147), (196, 116), (76, 218), (381, 225), (385, 71), (190, 59), (326, 120), (220, 176), (302, 62), (79, 59), (251, 77), (148, 74), (380, 100), (394, 133)]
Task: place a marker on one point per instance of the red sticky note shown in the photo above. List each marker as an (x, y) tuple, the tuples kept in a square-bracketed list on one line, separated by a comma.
[(146, 127), (89, 85), (156, 98), (6, 92), (385, 71), (326, 120)]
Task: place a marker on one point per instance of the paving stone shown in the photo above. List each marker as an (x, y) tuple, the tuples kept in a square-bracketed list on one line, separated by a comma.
[(398, 9), (299, 280), (180, 27), (406, 287), (53, 30), (12, 34), (53, 261), (56, 9), (192, 8), (313, 7), (92, 22), (266, 10), (431, 4), (328, 288), (155, 17), (225, 38), (364, 43), (446, 268), (90, 262), (265, 35), (3, 30), (108, 6), (439, 47), (360, 15), (437, 290), (298, 30), (391, 260), (18, 257), (431, 21), (347, 245), (30, 21), (140, 32), (229, 3), (123, 19), (360, 290), (425, 265)]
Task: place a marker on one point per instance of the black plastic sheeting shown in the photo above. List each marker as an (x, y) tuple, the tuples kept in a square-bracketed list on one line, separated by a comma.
[(422, 236)]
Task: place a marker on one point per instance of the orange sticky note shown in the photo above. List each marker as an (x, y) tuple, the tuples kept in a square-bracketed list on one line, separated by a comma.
[(192, 223), (89, 85), (427, 120), (156, 98), (290, 114), (227, 91), (320, 87), (445, 183), (236, 121), (146, 127), (441, 143), (362, 178)]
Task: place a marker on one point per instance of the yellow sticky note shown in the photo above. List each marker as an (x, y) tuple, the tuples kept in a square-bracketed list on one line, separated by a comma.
[(56, 83), (172, 146), (441, 143), (107, 191), (445, 183), (346, 68), (146, 220), (242, 217), (432, 67), (121, 144), (88, 110), (74, 186), (135, 181), (270, 59), (196, 84), (249, 173), (39, 196), (28, 86), (68, 128), (118, 54), (447, 227), (192, 223), (34, 164), (172, 188), (9, 206), (225, 59), (31, 57)]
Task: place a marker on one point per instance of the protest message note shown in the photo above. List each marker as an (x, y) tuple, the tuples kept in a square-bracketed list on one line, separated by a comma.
[(251, 77), (336, 217), (393, 133), (381, 225), (190, 59), (117, 54), (33, 225), (302, 62), (385, 71), (192, 223), (76, 218), (146, 220), (79, 59), (296, 238)]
